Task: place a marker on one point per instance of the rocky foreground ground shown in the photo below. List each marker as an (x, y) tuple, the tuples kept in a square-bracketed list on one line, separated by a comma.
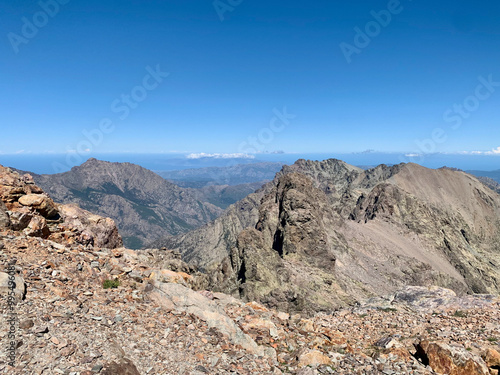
[(86, 306), (154, 323)]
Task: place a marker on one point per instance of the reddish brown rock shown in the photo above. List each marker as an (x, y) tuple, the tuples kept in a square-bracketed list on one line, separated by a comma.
[(38, 227), (451, 359), (492, 359)]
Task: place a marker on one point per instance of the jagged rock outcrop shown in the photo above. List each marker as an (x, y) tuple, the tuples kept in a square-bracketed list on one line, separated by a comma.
[(144, 205), (26, 207), (325, 234), (100, 231)]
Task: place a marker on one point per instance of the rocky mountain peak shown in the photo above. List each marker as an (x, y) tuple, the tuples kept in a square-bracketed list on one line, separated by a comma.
[(144, 205), (325, 234)]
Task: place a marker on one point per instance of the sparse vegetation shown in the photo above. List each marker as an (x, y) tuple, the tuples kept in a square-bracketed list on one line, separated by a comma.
[(111, 284), (460, 314)]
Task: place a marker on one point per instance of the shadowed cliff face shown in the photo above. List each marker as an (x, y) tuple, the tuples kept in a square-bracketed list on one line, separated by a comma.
[(324, 234), (143, 204)]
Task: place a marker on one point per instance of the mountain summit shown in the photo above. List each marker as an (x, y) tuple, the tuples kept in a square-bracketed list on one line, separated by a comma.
[(143, 204)]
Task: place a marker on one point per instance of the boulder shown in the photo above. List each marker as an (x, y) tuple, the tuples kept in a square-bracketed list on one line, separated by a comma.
[(95, 230), (4, 216), (450, 359), (20, 219), (492, 359), (41, 203)]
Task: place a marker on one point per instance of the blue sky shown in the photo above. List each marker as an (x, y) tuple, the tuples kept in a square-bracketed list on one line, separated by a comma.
[(233, 71)]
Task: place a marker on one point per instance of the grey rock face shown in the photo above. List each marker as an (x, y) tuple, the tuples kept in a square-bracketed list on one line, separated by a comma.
[(325, 234)]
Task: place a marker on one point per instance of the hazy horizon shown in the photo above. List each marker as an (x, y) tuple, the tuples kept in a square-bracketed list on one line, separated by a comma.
[(57, 163)]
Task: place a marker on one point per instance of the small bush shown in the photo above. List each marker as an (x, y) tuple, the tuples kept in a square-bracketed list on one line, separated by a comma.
[(460, 314), (492, 339), (111, 284)]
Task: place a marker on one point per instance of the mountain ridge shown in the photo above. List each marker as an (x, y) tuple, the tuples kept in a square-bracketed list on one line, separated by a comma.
[(143, 204), (318, 225)]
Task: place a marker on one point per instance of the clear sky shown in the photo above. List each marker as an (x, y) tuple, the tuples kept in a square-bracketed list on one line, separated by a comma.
[(346, 76)]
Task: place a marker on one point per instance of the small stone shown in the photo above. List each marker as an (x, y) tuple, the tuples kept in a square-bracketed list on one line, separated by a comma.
[(385, 343), (26, 324)]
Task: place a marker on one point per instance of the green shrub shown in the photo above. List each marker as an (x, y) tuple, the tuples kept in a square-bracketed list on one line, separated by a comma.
[(460, 314), (111, 284)]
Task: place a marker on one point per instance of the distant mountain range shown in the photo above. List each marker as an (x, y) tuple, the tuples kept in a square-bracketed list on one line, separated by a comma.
[(144, 205), (325, 234), (232, 175)]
